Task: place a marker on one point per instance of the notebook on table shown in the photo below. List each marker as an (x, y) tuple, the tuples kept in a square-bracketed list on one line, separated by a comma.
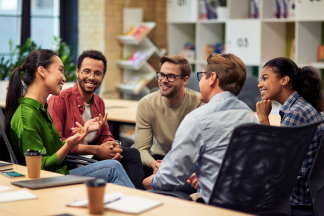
[(121, 202), (52, 181)]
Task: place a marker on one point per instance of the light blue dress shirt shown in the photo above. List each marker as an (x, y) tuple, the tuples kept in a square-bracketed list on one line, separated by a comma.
[(200, 143)]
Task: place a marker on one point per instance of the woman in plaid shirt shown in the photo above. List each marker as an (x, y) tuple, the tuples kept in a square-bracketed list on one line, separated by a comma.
[(299, 92)]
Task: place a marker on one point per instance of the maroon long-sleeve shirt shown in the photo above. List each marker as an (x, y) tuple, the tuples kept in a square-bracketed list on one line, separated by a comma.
[(68, 107)]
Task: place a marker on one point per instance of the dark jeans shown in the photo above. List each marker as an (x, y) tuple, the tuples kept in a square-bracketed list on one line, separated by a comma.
[(133, 166), (185, 188)]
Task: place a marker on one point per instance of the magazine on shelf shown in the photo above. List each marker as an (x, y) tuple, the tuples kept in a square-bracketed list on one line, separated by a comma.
[(138, 57), (137, 83), (320, 53), (255, 8), (138, 32)]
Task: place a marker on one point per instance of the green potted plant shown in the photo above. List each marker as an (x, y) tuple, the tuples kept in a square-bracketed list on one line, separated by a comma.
[(65, 53), (17, 57)]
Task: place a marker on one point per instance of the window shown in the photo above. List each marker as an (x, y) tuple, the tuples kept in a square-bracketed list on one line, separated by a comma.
[(10, 24), (45, 21)]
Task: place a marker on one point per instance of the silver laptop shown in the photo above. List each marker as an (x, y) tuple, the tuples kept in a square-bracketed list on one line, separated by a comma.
[(52, 181)]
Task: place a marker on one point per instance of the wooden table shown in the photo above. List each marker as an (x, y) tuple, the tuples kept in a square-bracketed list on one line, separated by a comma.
[(52, 201), (121, 110)]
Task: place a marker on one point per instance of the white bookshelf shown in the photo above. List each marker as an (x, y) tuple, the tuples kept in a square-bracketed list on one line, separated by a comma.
[(266, 36), (137, 71)]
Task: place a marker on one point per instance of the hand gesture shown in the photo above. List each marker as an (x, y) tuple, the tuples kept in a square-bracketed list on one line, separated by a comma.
[(193, 181), (263, 109), (93, 124), (157, 166), (78, 137)]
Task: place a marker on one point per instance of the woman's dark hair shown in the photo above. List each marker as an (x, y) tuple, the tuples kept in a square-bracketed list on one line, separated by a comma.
[(41, 57), (305, 80)]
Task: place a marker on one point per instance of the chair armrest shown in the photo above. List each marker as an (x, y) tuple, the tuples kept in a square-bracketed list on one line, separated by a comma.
[(76, 157), (177, 194)]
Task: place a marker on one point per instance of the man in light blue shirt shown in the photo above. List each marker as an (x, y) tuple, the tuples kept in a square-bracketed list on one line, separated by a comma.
[(201, 140)]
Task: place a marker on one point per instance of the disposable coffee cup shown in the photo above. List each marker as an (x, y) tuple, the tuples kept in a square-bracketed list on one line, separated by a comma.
[(33, 162), (96, 191)]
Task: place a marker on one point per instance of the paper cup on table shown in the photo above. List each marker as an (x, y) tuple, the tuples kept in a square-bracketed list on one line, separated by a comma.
[(33, 163), (96, 191)]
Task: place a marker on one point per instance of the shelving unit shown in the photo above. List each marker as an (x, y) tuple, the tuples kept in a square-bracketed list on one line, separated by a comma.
[(137, 72), (255, 41)]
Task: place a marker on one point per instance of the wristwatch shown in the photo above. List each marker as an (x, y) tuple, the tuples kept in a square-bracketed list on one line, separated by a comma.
[(117, 141)]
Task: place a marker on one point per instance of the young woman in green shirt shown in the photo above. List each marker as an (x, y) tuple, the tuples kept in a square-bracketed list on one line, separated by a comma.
[(29, 125)]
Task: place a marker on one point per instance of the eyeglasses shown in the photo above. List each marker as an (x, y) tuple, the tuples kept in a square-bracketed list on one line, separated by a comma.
[(87, 73), (170, 77), (199, 75)]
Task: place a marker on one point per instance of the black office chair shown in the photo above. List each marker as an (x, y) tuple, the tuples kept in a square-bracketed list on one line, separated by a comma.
[(74, 159), (250, 93), (316, 186), (6, 140), (260, 168)]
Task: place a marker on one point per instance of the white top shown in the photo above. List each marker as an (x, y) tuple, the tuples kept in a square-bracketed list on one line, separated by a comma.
[(86, 117)]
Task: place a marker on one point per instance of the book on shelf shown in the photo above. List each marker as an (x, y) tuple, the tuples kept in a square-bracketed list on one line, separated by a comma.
[(320, 53), (255, 9), (137, 83), (207, 9), (284, 8), (202, 10), (292, 50), (138, 32), (5, 166), (121, 202), (138, 57), (188, 54), (218, 48), (190, 46), (209, 49)]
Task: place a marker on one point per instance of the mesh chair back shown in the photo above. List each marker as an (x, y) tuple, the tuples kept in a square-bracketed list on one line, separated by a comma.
[(6, 140), (316, 181), (260, 168), (193, 82), (250, 93)]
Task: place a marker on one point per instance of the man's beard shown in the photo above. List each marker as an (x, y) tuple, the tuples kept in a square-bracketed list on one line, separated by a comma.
[(173, 91), (82, 84)]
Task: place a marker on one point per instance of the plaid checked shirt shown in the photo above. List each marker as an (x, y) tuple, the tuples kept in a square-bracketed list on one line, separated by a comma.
[(297, 111)]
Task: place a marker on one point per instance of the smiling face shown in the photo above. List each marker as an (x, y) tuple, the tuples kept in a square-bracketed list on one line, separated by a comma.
[(270, 86), (55, 76), (90, 75), (170, 89)]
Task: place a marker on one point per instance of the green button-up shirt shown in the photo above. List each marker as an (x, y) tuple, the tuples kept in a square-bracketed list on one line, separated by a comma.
[(31, 127)]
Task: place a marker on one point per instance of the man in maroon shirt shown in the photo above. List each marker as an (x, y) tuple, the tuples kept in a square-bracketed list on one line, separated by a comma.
[(81, 104)]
